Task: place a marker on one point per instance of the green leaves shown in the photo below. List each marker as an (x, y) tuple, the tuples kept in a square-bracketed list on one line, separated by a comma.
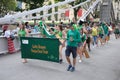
[(6, 6), (33, 3)]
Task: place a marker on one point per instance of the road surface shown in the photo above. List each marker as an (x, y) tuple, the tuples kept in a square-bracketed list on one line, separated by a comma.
[(103, 64)]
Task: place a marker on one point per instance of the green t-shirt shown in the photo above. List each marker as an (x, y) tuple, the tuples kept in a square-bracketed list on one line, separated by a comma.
[(83, 37), (100, 30), (60, 34), (75, 35), (21, 33), (105, 28)]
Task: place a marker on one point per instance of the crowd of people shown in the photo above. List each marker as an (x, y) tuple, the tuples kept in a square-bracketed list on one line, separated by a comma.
[(77, 38), (80, 37)]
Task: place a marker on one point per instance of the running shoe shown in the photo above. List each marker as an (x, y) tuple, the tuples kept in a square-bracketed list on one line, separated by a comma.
[(72, 69), (80, 61), (69, 67), (60, 61)]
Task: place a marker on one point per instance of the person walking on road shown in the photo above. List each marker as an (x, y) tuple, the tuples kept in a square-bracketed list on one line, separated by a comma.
[(100, 34), (60, 34), (95, 35), (23, 32), (84, 38), (73, 37), (117, 32), (106, 31), (88, 35)]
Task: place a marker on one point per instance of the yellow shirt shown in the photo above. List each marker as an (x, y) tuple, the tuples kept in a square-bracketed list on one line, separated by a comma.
[(94, 31)]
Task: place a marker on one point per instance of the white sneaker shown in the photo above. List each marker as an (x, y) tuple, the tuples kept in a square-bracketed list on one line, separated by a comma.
[(80, 61), (93, 47)]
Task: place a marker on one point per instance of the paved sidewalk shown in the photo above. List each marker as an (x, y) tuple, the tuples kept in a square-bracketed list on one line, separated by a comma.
[(104, 64)]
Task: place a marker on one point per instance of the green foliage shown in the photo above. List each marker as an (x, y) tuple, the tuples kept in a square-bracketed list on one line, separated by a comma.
[(33, 3), (58, 0), (18, 9), (6, 6)]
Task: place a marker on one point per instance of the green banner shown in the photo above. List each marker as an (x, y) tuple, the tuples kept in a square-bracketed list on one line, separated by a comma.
[(40, 48)]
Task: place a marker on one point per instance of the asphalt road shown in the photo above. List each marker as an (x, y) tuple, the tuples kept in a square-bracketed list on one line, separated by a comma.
[(103, 64)]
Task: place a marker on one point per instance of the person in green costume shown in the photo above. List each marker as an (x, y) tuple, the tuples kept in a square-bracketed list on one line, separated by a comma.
[(105, 29), (73, 37), (44, 32), (84, 38), (79, 50), (106, 33), (23, 32), (116, 32), (60, 34), (100, 34)]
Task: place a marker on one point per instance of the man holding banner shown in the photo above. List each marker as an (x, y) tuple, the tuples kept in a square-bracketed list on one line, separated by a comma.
[(73, 37)]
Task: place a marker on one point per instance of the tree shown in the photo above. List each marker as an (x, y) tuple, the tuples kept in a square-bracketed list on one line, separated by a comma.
[(33, 4), (6, 6)]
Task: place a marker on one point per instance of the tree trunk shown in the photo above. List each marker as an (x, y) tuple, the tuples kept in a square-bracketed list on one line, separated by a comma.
[(75, 13)]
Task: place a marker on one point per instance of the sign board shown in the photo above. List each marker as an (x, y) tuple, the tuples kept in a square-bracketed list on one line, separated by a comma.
[(40, 48)]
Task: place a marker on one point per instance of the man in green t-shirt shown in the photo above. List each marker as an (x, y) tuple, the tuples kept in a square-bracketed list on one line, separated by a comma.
[(73, 37)]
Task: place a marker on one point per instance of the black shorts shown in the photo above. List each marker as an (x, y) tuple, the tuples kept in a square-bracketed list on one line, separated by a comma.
[(69, 50), (88, 40), (80, 44), (101, 35)]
